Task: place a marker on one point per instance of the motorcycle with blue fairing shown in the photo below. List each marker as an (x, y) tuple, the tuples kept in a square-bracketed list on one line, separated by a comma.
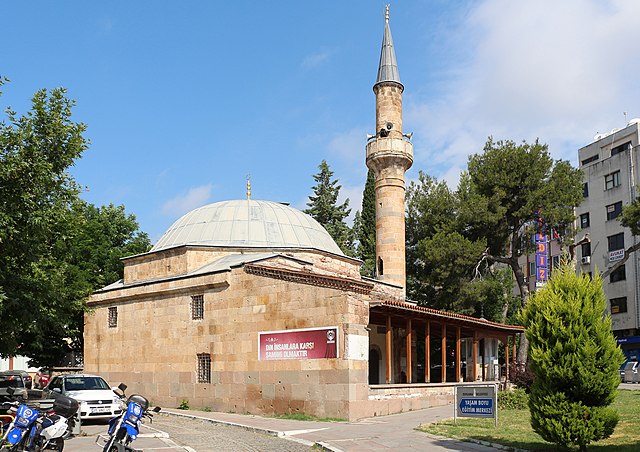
[(124, 428), (34, 429)]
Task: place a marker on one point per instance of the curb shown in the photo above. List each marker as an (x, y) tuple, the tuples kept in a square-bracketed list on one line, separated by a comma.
[(318, 445)]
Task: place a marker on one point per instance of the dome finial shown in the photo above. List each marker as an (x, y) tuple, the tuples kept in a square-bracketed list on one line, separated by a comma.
[(386, 14), (248, 186)]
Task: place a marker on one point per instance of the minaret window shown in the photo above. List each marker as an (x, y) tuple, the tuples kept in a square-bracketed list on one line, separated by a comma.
[(380, 267)]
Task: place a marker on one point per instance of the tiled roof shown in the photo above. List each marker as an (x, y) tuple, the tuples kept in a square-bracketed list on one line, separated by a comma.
[(447, 315)]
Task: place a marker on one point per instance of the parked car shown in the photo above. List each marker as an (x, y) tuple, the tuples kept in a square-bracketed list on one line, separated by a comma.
[(28, 381), (97, 400), (631, 372), (12, 379)]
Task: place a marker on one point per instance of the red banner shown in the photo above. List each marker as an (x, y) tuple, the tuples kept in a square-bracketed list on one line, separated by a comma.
[(317, 343)]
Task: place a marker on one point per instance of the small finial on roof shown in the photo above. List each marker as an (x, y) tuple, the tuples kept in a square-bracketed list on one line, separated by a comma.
[(386, 15), (248, 186)]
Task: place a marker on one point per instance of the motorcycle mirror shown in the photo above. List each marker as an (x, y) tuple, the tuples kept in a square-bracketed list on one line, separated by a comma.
[(156, 409), (10, 391), (122, 387)]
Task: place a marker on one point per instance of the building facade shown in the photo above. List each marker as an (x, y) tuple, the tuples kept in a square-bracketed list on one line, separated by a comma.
[(611, 177), (249, 306)]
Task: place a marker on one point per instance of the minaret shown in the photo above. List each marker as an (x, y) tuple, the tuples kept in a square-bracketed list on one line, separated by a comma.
[(389, 155)]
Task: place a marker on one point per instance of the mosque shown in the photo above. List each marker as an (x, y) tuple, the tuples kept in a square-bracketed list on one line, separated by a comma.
[(249, 306)]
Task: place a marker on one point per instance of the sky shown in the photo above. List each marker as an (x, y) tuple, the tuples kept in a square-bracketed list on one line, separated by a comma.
[(185, 100)]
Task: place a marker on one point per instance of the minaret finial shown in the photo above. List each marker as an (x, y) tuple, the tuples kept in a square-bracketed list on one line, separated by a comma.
[(248, 186), (386, 14)]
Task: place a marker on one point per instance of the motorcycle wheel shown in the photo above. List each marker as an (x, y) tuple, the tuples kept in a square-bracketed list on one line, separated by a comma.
[(57, 444)]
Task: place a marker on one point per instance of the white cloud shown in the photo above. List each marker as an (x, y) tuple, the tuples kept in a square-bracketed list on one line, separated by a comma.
[(316, 59), (349, 145), (186, 202), (558, 71)]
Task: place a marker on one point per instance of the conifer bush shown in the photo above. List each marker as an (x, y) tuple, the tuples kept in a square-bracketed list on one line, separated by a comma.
[(575, 360)]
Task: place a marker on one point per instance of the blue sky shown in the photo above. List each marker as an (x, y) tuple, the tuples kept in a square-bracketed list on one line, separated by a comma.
[(183, 100)]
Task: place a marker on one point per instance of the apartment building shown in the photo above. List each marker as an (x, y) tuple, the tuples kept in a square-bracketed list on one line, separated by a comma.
[(611, 177)]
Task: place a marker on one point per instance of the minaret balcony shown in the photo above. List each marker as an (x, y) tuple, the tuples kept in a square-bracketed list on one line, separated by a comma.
[(389, 149)]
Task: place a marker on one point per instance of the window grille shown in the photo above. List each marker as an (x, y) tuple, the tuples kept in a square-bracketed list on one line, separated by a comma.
[(113, 316), (204, 368), (197, 307)]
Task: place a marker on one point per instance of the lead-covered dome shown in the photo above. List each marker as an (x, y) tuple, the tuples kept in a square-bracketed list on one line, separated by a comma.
[(248, 223)]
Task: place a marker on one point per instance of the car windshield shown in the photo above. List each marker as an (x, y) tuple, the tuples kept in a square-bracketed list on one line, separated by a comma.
[(11, 381), (84, 383)]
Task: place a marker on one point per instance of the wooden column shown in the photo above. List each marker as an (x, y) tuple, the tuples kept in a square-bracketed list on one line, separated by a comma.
[(427, 354), (444, 353), (506, 359), (409, 363), (388, 349), (475, 355), (513, 356), (458, 360)]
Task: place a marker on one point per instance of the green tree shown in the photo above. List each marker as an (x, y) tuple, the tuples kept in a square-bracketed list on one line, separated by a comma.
[(506, 190), (574, 358), (36, 194), (324, 209), (442, 263), (365, 227)]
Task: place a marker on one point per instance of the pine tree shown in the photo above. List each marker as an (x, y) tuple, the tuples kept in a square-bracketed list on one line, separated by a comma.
[(574, 358), (324, 209), (365, 227)]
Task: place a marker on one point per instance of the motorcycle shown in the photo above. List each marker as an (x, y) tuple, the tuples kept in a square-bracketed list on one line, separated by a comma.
[(34, 431), (124, 428), (17, 432)]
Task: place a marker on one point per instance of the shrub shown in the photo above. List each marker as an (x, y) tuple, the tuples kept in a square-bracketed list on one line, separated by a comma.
[(517, 399), (522, 377), (575, 359), (184, 405)]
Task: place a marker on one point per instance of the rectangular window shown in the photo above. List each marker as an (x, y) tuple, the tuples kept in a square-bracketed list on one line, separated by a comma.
[(532, 269), (585, 190), (618, 305), (586, 249), (616, 242), (593, 158), (612, 180), (618, 275), (204, 368), (197, 307), (584, 220), (621, 148), (113, 316), (555, 262), (614, 210)]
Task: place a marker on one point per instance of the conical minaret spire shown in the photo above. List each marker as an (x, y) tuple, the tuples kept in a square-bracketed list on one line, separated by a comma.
[(389, 155), (388, 67)]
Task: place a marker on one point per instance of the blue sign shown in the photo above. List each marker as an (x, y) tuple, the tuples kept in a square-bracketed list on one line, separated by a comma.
[(476, 407)]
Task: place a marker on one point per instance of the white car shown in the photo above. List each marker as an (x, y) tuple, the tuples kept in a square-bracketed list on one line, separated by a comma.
[(96, 398)]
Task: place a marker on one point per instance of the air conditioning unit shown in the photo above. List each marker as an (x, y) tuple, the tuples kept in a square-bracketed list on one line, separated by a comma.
[(586, 260)]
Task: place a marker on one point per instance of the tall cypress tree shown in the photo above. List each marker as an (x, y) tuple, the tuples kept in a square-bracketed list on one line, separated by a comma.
[(574, 358), (365, 227), (324, 209)]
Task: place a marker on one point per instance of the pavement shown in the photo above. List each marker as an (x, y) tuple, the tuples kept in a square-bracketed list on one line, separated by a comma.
[(386, 433)]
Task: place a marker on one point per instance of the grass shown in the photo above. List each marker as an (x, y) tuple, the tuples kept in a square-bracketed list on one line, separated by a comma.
[(514, 428), (306, 417)]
